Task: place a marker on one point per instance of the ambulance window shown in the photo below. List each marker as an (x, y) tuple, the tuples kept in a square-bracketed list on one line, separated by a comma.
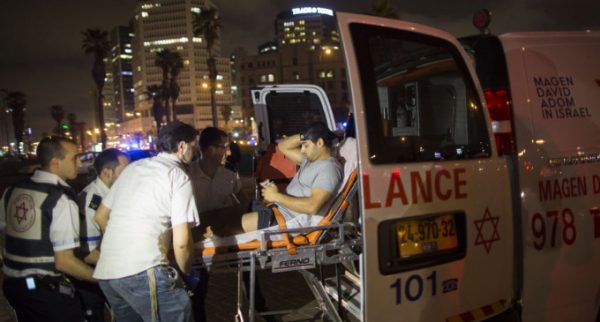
[(290, 113), (420, 102)]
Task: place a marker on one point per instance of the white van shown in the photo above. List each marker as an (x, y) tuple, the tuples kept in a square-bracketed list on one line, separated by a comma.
[(475, 202)]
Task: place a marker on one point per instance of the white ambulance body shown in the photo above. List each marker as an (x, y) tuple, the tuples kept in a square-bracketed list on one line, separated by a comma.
[(466, 214)]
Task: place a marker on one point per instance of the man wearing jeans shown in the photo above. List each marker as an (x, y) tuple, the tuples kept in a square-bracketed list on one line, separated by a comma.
[(151, 200)]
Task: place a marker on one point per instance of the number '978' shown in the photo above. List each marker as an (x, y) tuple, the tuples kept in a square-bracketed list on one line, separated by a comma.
[(557, 224)]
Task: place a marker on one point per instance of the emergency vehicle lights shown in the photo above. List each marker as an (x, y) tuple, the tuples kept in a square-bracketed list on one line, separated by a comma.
[(498, 104)]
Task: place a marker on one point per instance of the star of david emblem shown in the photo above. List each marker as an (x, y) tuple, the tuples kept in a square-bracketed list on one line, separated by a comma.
[(483, 235), (21, 209)]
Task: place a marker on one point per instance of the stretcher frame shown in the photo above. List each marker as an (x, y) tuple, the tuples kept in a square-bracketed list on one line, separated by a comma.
[(344, 247)]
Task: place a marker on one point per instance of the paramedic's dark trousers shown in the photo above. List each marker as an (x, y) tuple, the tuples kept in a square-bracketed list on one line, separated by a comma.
[(92, 300), (42, 303)]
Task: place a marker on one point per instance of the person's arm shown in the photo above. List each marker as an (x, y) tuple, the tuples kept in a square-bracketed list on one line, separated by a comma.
[(290, 147), (183, 246), (66, 262), (102, 216), (308, 205), (92, 257)]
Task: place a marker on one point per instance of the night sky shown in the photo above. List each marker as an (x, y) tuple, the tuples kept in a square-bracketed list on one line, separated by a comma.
[(41, 52)]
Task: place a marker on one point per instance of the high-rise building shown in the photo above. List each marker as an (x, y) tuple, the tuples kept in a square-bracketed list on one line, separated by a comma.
[(121, 52), (312, 25), (168, 24), (307, 52)]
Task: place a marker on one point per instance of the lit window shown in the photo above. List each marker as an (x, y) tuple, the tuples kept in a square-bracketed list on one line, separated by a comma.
[(263, 78), (219, 77), (330, 73), (195, 10), (301, 22), (127, 50), (144, 14), (271, 78), (322, 74)]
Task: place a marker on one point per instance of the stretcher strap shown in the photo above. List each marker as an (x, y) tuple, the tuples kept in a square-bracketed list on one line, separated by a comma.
[(282, 226)]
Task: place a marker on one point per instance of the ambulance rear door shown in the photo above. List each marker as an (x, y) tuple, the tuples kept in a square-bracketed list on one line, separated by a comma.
[(283, 110), (434, 198)]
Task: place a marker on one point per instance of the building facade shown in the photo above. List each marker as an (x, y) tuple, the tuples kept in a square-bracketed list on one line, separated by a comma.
[(168, 24), (307, 52)]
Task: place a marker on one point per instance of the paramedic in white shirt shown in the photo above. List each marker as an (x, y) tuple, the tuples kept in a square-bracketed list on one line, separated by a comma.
[(148, 207), (108, 166)]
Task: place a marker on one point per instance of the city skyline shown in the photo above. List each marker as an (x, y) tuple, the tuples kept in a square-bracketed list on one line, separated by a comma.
[(42, 54)]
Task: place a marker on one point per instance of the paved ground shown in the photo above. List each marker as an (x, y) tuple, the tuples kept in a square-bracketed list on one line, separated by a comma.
[(282, 291)]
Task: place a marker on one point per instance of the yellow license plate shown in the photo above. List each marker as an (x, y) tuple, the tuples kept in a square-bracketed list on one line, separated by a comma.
[(431, 235)]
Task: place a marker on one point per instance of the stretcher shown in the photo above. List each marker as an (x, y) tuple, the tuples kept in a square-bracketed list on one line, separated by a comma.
[(332, 242)]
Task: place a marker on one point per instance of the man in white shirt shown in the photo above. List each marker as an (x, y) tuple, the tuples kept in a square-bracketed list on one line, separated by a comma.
[(108, 165), (217, 190), (151, 201), (219, 199), (40, 219)]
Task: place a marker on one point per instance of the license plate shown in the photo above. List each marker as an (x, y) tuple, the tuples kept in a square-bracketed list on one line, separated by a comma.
[(426, 236)]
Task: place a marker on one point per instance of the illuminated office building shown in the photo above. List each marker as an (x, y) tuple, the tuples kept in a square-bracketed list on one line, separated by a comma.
[(167, 24), (307, 51), (311, 25)]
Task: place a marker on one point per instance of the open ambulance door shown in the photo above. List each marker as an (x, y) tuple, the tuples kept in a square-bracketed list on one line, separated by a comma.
[(435, 197), (280, 111)]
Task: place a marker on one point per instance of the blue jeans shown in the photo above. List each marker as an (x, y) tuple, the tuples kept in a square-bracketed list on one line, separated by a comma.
[(129, 297)]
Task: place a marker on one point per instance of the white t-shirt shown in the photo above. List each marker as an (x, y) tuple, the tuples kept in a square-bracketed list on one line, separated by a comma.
[(93, 193), (151, 196), (64, 229)]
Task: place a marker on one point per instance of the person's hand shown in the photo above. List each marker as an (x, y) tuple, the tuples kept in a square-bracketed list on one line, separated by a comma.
[(270, 192)]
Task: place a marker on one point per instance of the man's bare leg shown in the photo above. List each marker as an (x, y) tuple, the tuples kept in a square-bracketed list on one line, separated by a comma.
[(250, 221)]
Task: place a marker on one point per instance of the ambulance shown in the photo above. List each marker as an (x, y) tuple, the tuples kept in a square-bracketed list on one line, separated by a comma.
[(479, 171)]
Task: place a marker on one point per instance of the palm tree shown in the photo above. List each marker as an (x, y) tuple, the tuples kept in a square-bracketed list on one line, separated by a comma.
[(58, 114), (154, 93), (16, 103), (163, 60), (208, 25), (383, 9), (95, 42), (174, 88), (226, 113)]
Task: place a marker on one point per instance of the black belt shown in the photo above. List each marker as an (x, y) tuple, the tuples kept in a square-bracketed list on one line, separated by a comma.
[(55, 283)]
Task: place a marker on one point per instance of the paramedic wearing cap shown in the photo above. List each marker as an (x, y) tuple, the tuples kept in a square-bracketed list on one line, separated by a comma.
[(149, 207), (41, 221), (311, 189), (108, 165)]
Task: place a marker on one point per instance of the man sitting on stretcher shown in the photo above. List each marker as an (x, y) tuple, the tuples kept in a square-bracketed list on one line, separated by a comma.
[(312, 188)]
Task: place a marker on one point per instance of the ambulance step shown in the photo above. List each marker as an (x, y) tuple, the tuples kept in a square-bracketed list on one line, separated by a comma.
[(351, 297)]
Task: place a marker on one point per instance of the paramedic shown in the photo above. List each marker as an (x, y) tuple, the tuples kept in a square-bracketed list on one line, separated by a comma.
[(151, 200), (41, 221), (108, 166)]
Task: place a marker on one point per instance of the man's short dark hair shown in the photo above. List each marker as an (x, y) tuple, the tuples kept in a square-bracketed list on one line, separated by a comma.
[(108, 158), (171, 134), (211, 136), (51, 147), (319, 130)]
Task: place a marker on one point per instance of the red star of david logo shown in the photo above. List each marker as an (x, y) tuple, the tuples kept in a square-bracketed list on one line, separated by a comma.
[(21, 209), (487, 241)]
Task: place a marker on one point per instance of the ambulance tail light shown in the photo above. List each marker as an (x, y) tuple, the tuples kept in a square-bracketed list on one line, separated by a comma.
[(498, 104)]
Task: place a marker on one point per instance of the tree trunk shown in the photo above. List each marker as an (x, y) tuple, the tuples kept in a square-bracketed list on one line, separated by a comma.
[(212, 74), (101, 119)]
